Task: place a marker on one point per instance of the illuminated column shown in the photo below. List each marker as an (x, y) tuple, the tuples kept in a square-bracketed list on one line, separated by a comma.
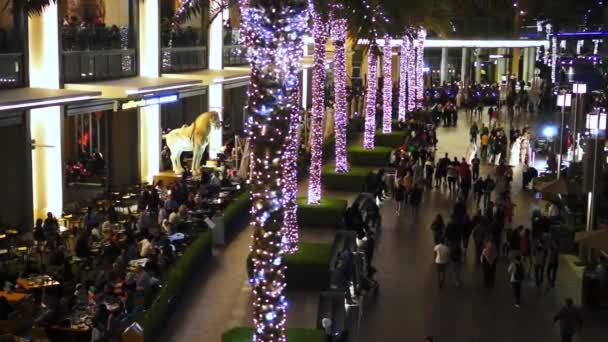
[(45, 123), (403, 79), (531, 63), (216, 103), (216, 42), (477, 66), (149, 142), (387, 86), (464, 65), (444, 65), (501, 64), (515, 62), (525, 71), (149, 38)]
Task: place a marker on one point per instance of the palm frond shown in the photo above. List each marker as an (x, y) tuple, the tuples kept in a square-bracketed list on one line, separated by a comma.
[(193, 8), (35, 7)]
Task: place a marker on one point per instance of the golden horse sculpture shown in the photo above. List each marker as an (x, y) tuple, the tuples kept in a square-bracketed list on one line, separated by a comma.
[(194, 137)]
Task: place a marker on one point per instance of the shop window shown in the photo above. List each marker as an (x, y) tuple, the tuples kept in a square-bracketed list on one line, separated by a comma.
[(234, 51), (183, 42), (98, 39), (13, 31)]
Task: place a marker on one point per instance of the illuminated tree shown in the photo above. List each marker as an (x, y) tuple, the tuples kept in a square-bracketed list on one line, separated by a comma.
[(387, 87), (339, 30)]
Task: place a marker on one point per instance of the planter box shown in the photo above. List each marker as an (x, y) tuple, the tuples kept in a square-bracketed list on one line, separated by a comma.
[(379, 156), (329, 213), (293, 335), (354, 181), (394, 139)]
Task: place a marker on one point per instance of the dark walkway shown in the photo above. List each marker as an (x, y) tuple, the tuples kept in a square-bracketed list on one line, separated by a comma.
[(409, 305)]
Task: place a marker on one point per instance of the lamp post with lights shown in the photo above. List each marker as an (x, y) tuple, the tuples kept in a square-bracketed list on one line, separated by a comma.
[(563, 100), (579, 89), (596, 126)]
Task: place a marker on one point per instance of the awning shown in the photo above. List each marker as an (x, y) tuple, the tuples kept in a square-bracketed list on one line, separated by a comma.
[(595, 239), (137, 87), (28, 98), (560, 186), (227, 76)]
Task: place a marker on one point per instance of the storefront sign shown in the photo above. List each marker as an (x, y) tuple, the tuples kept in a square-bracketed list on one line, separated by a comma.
[(150, 101)]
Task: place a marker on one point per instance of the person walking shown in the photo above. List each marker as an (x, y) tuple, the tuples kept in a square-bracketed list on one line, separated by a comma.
[(516, 276), (438, 229), (552, 263), (456, 263), (475, 163), (485, 142), (478, 188), (489, 186), (489, 254), (441, 170), (473, 132), (570, 321), (442, 257), (452, 175), (540, 260)]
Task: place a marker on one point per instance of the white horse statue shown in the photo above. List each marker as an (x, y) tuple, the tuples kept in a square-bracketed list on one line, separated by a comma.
[(194, 138)]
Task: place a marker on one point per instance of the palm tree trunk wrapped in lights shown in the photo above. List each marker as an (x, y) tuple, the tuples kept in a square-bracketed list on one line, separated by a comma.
[(290, 173), (273, 36), (420, 68), (403, 59), (411, 74), (387, 86), (320, 34), (339, 27), (370, 98)]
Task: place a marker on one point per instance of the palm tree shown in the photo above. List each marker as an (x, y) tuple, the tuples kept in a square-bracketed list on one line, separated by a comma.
[(273, 33), (339, 34)]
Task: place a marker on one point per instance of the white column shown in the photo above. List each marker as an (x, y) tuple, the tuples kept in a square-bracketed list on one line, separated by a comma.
[(216, 103), (149, 142), (477, 66), (216, 43), (149, 117), (464, 65), (531, 63), (149, 38), (45, 124), (501, 64), (525, 73), (444, 65)]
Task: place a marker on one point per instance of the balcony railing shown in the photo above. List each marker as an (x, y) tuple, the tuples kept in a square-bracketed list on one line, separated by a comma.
[(11, 70), (97, 65), (235, 55), (180, 59)]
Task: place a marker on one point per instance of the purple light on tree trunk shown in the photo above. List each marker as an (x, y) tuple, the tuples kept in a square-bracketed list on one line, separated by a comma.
[(320, 35), (403, 79), (387, 86), (340, 120), (411, 75), (419, 68), (370, 108)]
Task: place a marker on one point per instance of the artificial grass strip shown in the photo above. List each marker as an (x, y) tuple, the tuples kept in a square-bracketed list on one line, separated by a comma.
[(353, 181), (394, 139), (328, 213), (379, 156), (293, 335)]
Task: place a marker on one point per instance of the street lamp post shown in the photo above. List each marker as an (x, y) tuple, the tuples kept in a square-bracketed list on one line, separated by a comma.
[(596, 125), (563, 100), (578, 89)]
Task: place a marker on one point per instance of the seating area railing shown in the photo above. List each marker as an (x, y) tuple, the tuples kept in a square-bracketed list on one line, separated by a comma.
[(235, 55), (179, 59), (81, 66), (11, 70)]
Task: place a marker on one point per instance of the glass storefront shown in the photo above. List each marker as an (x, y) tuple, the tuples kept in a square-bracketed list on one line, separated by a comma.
[(13, 33), (98, 39), (184, 43)]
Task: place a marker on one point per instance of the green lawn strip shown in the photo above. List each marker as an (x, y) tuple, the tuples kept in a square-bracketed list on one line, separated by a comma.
[(293, 335), (359, 156), (353, 181), (328, 213)]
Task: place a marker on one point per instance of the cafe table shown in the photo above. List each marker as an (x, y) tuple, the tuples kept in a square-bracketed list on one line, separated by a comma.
[(13, 297), (37, 282)]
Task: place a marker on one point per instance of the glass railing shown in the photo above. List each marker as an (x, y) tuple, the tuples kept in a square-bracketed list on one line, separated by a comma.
[(235, 55), (11, 70), (180, 59), (97, 65)]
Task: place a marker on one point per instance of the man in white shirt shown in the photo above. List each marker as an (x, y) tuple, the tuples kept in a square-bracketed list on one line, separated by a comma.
[(442, 257)]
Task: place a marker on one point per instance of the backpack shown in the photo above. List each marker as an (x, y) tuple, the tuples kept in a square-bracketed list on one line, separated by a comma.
[(519, 272)]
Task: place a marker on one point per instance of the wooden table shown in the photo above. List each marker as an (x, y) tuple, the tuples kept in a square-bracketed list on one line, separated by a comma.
[(13, 297), (26, 285)]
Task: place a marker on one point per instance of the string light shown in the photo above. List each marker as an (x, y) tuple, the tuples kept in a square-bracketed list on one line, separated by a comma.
[(372, 87), (387, 91), (339, 27), (420, 67), (411, 74), (403, 79), (290, 174), (320, 34), (273, 37)]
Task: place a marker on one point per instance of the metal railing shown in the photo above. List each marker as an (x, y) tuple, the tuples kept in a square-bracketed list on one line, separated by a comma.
[(11, 70), (235, 55), (97, 65), (180, 59)]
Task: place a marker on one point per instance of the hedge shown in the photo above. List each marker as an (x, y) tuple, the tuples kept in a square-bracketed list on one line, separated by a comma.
[(328, 213), (154, 319), (308, 268), (293, 335), (379, 156), (236, 212), (353, 181), (394, 139)]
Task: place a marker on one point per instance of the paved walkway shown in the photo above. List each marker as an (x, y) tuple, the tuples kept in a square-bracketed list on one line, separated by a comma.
[(409, 305)]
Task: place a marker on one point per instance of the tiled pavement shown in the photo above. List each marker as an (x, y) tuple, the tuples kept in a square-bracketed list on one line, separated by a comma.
[(409, 305)]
